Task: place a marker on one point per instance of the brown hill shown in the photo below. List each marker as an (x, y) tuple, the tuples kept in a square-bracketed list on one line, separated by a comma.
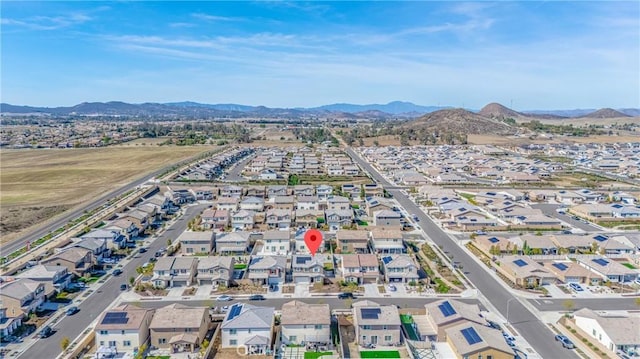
[(460, 121), (496, 110), (605, 113)]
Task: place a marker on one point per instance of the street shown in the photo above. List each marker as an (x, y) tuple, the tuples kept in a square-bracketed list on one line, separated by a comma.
[(558, 305), (550, 210), (93, 306), (525, 322)]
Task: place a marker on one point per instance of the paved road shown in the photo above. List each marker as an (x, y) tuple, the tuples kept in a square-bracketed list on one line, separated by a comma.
[(557, 305), (234, 173), (550, 210), (93, 306), (75, 213), (527, 323), (333, 302)]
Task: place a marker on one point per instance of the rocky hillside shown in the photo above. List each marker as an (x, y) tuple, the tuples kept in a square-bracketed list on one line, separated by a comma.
[(460, 121), (605, 113), (496, 110)]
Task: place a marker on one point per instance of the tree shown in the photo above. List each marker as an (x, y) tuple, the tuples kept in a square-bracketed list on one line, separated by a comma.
[(569, 305), (203, 348), (141, 351), (169, 241), (64, 343), (132, 280)]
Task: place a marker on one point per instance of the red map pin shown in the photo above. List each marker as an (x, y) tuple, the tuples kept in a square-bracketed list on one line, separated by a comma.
[(312, 239)]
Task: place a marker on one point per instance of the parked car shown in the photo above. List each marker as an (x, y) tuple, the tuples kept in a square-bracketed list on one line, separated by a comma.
[(153, 260), (72, 310), (392, 288), (257, 297), (142, 250), (508, 337), (345, 296), (225, 298), (123, 286), (565, 341), (45, 332), (117, 272), (576, 287), (273, 288)]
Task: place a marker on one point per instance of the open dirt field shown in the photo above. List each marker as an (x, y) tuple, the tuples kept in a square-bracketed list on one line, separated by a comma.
[(510, 140), (38, 184)]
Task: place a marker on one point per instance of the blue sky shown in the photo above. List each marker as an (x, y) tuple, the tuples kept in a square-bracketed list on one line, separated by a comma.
[(531, 55)]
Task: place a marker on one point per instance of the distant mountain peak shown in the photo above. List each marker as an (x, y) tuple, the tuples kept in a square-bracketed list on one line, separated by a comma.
[(496, 110), (605, 113)]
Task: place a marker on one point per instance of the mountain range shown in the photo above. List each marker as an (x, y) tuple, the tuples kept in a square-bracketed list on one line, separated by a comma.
[(395, 109)]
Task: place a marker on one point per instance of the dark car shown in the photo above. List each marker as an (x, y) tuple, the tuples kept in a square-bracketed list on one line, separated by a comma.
[(117, 272), (142, 250), (45, 332), (153, 260), (72, 310), (257, 297), (123, 286), (345, 296)]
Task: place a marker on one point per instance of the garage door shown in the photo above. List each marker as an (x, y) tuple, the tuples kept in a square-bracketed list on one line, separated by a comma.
[(180, 283), (205, 282), (274, 280), (302, 280)]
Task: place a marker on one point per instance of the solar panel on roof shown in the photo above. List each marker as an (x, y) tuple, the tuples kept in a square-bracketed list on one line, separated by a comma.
[(601, 261), (520, 262), (370, 313), (115, 318), (617, 206), (386, 259), (235, 311), (560, 266), (600, 238), (494, 240), (471, 335), (446, 309), (302, 260)]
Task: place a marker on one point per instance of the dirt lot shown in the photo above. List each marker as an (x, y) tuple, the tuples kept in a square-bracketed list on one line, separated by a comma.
[(510, 140), (38, 184)]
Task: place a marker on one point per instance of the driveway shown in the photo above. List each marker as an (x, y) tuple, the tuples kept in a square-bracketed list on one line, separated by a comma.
[(176, 292), (302, 290), (371, 290)]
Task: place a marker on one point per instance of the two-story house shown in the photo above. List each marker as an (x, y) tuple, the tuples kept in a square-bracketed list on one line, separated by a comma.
[(360, 268), (277, 190), (338, 203), (386, 218), (232, 243), (323, 191), (307, 218), (196, 242), (215, 219), (307, 269), (179, 327), (231, 191), (174, 271), (78, 261), (308, 203), (255, 204), (8, 325), (352, 241), (113, 238), (338, 218), (386, 241), (248, 326), (55, 278), (276, 242), (243, 220), (216, 270), (123, 329), (97, 246), (267, 270), (227, 203), (399, 268), (125, 228), (283, 202), (22, 296), (308, 324), (304, 190), (376, 324), (278, 218)]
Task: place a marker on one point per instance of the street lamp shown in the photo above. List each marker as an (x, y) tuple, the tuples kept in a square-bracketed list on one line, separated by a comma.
[(509, 302)]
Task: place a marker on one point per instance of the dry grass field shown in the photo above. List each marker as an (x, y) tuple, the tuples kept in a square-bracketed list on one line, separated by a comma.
[(510, 140), (38, 184)]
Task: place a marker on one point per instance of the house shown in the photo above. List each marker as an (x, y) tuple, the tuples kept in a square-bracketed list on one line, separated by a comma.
[(384, 240), (307, 269), (278, 218), (267, 174), (300, 246), (179, 327), (138, 218), (227, 203), (338, 218), (243, 220), (78, 261), (524, 272), (125, 228), (256, 191), (616, 331), (123, 328), (283, 202), (323, 191), (216, 270), (22, 296), (310, 203), (231, 191), (305, 324), (276, 190), (338, 203), (609, 269), (307, 218), (470, 340), (267, 270), (303, 190), (385, 218), (8, 325), (215, 219), (113, 238), (572, 272), (174, 272), (376, 324), (276, 242), (399, 268), (196, 242), (373, 204), (373, 190), (202, 193), (351, 190), (248, 326), (349, 241), (179, 196), (360, 268), (55, 278), (232, 243), (97, 246), (255, 204), (444, 314), (162, 203), (539, 244)]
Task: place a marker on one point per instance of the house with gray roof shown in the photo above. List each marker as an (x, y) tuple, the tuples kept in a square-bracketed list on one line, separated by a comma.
[(471, 340), (303, 323), (447, 313), (55, 278), (616, 331), (376, 324), (399, 268), (609, 269), (217, 270), (307, 268), (21, 296), (123, 328), (113, 238), (179, 327), (248, 326), (265, 270), (78, 261), (196, 242), (232, 243)]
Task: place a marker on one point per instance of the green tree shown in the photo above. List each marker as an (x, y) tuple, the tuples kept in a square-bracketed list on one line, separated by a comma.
[(141, 352), (132, 280)]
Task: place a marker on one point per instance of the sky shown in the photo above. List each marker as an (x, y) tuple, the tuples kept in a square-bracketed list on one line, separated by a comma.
[(526, 55)]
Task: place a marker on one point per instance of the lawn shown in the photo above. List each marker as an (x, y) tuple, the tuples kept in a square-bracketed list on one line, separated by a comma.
[(406, 318), (629, 265), (380, 354), (315, 355), (240, 266), (39, 184)]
